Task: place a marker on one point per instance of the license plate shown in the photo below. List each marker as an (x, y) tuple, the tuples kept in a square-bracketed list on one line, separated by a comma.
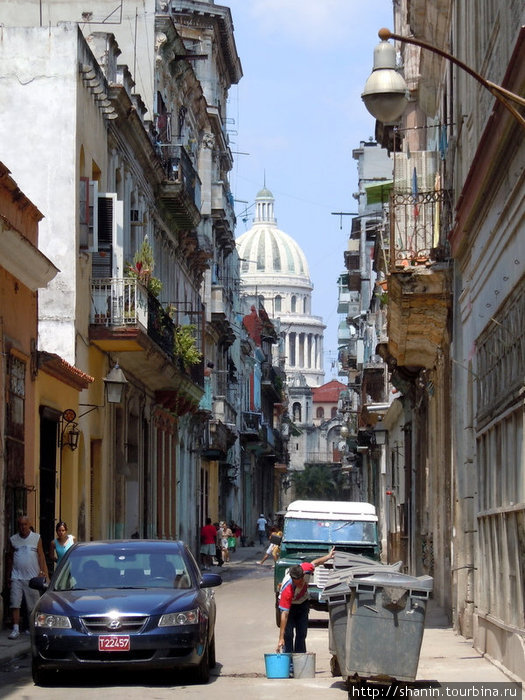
[(113, 642)]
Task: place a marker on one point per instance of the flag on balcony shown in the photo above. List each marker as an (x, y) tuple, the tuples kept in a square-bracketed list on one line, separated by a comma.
[(443, 145), (415, 193)]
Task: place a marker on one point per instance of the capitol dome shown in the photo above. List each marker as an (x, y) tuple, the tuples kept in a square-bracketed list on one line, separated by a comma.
[(267, 250), (275, 275)]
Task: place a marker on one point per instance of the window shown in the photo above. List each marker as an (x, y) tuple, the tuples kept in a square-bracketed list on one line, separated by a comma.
[(297, 412), (278, 300), (294, 304), (320, 413), (105, 215), (15, 423)]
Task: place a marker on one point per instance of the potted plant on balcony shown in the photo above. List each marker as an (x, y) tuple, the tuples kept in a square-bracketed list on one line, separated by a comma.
[(142, 269), (185, 346)]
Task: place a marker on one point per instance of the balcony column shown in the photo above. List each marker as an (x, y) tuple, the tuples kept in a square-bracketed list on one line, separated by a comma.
[(297, 357)]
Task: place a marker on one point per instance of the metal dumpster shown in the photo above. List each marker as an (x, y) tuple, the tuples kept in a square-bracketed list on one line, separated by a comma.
[(377, 619)]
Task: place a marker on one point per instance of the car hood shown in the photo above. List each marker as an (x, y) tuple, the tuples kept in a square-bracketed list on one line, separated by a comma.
[(131, 601)]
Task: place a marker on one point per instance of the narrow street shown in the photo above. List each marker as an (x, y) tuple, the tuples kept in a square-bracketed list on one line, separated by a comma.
[(245, 631)]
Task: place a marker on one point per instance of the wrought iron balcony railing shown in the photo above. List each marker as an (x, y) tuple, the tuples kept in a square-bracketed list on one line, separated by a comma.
[(415, 230), (118, 301), (123, 301)]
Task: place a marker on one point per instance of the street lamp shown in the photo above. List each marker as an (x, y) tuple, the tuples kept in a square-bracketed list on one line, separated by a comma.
[(115, 384), (380, 434), (386, 94)]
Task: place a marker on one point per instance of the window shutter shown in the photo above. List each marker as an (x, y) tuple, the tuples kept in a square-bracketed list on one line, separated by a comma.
[(102, 259), (83, 212), (93, 216)]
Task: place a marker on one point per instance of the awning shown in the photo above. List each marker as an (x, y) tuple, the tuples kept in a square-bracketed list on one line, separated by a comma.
[(379, 193)]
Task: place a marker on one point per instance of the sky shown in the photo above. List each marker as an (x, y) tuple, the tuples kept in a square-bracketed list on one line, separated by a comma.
[(294, 119)]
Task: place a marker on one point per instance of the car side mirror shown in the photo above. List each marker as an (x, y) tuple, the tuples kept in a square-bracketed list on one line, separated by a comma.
[(39, 583), (210, 580)]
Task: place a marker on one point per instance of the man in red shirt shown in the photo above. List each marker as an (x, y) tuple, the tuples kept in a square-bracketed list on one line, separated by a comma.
[(294, 605), (208, 537)]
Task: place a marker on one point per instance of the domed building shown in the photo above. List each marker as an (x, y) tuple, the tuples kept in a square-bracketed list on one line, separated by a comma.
[(275, 273)]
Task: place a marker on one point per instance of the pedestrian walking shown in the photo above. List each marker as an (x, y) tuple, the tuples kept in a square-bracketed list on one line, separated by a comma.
[(207, 549), (261, 528), (226, 534), (274, 546), (218, 548), (233, 541), (294, 605), (25, 560), (62, 542)]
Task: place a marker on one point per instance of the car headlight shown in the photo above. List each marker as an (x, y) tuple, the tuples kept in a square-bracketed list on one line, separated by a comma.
[(52, 621), (187, 617)]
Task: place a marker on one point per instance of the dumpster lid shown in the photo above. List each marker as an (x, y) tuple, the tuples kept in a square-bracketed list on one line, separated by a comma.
[(345, 559), (340, 580), (381, 575), (394, 579)]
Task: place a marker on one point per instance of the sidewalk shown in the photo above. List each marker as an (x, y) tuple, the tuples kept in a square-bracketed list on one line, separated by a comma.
[(445, 656)]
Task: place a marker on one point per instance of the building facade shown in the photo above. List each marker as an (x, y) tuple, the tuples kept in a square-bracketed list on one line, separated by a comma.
[(454, 282), (24, 270), (131, 142)]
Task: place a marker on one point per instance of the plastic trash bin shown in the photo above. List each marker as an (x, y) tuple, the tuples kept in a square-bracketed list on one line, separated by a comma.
[(377, 621)]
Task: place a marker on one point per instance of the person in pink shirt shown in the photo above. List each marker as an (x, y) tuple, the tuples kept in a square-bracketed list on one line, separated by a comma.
[(294, 605), (207, 549)]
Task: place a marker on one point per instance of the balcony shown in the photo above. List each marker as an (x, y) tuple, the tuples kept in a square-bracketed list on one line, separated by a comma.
[(344, 333), (324, 458), (347, 301), (419, 302), (223, 213), (267, 436), (180, 192), (419, 281), (415, 228), (222, 316), (272, 381), (218, 440), (250, 426), (224, 396), (374, 386), (127, 320)]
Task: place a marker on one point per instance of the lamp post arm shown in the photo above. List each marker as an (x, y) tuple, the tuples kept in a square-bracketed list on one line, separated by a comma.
[(500, 93)]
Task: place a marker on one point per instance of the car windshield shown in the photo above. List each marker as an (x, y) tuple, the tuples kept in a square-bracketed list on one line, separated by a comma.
[(91, 569), (330, 531)]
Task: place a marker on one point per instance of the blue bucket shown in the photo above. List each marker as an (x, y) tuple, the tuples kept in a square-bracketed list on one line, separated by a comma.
[(277, 665)]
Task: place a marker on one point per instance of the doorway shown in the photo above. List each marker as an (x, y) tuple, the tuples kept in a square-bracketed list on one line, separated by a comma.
[(48, 474)]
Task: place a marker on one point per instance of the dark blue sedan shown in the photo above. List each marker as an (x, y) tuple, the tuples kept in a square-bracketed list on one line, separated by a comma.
[(125, 604)]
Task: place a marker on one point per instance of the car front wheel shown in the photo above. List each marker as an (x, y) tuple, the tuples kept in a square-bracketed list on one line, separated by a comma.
[(211, 655), (202, 672), (40, 676)]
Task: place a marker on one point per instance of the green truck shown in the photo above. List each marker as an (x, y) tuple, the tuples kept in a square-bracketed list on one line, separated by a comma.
[(312, 528)]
